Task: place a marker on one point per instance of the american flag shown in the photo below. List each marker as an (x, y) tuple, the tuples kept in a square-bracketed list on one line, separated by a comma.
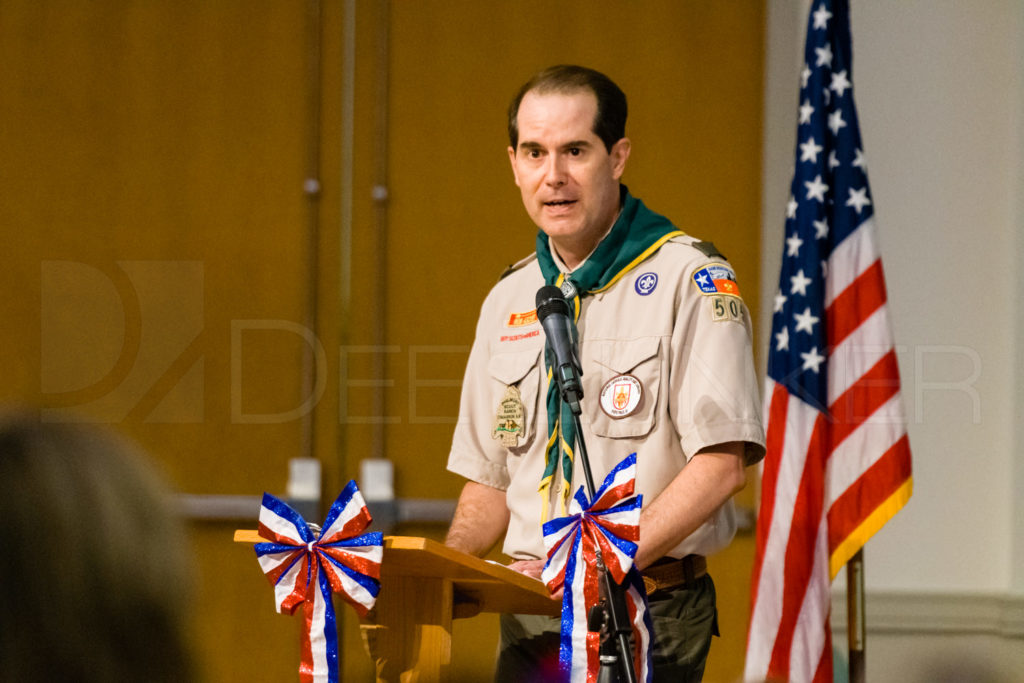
[(838, 460)]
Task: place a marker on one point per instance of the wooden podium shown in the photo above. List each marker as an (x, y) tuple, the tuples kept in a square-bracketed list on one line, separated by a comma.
[(424, 586)]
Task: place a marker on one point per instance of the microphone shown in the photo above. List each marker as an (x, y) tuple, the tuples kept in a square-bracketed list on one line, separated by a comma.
[(556, 318)]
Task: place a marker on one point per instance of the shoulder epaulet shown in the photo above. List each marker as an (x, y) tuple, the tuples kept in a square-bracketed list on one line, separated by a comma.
[(708, 249), (517, 265)]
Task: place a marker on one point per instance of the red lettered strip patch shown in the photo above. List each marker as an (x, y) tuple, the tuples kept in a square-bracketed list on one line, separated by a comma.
[(521, 319)]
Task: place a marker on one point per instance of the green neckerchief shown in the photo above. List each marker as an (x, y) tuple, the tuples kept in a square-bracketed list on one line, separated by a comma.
[(638, 232)]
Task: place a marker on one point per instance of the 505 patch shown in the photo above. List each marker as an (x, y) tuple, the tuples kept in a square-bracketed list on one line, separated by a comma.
[(726, 308)]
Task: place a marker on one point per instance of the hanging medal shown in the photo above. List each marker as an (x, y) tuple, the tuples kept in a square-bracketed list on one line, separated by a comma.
[(510, 419)]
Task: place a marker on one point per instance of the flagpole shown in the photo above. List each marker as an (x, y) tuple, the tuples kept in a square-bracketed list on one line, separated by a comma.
[(855, 622)]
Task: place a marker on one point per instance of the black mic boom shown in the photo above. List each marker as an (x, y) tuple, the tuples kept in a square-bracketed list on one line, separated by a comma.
[(556, 318)]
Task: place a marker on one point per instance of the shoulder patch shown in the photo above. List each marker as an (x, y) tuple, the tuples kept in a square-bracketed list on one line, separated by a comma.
[(708, 249), (716, 278), (516, 266)]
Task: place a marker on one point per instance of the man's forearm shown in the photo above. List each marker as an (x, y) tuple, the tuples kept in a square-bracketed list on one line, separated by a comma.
[(481, 517), (708, 480)]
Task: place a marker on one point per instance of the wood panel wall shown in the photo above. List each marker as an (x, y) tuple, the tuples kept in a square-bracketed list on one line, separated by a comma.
[(166, 262)]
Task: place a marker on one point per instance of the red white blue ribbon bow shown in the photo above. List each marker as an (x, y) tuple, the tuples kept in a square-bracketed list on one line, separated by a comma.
[(305, 570), (611, 523)]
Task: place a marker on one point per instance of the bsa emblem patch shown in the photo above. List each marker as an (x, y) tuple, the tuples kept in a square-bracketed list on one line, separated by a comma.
[(521, 319), (511, 418), (716, 278), (646, 283), (620, 396)]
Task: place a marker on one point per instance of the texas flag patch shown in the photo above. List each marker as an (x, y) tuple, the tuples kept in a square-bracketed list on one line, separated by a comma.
[(716, 278)]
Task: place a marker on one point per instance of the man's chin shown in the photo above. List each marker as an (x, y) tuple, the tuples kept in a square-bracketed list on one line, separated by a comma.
[(559, 228)]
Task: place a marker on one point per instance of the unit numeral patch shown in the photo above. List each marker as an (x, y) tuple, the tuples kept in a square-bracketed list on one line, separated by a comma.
[(726, 308)]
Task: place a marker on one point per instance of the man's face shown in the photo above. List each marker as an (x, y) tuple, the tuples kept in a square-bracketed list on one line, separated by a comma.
[(568, 179)]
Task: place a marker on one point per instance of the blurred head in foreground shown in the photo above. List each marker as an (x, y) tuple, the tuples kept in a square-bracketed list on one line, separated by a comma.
[(94, 569)]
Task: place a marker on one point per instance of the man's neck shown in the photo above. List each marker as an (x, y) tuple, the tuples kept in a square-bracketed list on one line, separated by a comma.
[(574, 253), (572, 257)]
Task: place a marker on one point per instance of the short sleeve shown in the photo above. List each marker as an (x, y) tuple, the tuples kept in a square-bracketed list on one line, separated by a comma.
[(714, 395)]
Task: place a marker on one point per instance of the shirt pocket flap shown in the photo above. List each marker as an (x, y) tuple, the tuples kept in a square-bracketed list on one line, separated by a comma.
[(622, 356), (510, 368), (611, 358)]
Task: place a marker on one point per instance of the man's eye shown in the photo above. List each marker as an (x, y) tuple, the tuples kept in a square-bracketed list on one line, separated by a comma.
[(575, 151), (533, 153)]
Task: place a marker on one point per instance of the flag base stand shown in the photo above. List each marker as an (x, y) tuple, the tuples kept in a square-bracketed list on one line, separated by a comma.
[(856, 630)]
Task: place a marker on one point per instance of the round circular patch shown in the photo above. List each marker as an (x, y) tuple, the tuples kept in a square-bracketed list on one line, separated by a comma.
[(621, 396), (646, 283)]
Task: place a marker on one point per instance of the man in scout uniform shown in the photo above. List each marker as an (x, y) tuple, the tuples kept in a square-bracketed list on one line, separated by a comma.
[(665, 345)]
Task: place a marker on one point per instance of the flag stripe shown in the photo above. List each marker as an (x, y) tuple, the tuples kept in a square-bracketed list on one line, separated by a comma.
[(824, 672), (800, 545), (805, 653), (887, 477), (786, 452), (868, 443), (858, 353), (856, 303), (850, 258), (872, 489), (860, 401), (774, 439)]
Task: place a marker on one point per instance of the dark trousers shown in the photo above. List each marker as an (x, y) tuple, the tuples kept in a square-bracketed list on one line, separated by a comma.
[(685, 619)]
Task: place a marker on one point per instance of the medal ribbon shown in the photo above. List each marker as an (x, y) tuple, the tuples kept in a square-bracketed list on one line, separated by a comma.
[(610, 524), (306, 570), (637, 233)]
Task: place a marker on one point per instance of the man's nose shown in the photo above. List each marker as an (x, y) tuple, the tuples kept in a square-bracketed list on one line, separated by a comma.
[(556, 171)]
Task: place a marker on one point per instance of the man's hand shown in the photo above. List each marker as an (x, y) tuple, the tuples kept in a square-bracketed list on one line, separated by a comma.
[(529, 567), (534, 568)]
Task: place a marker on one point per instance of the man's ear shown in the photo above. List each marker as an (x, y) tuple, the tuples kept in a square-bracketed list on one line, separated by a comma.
[(512, 161), (620, 155)]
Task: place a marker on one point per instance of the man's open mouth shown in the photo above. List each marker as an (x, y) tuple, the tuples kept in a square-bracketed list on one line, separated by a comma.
[(560, 202)]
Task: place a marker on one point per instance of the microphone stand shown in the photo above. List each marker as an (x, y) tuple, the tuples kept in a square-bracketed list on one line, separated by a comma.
[(610, 616)]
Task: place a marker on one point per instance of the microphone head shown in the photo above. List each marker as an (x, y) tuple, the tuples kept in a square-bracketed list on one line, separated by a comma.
[(550, 300)]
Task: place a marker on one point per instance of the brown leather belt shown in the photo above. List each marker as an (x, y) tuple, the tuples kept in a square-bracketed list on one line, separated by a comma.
[(669, 573)]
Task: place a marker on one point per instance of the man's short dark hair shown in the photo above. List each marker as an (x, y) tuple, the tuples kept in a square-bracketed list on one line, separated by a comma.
[(610, 122)]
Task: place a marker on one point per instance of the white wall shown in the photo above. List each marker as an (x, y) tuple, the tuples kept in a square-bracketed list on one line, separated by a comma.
[(940, 119), (939, 86)]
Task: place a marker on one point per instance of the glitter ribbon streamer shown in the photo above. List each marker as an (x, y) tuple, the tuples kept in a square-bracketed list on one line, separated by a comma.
[(306, 570), (609, 524)]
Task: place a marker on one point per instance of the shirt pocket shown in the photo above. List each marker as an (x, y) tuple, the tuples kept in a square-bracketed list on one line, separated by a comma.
[(519, 369), (612, 358)]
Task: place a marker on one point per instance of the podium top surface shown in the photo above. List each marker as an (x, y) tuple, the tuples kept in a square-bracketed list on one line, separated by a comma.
[(492, 587)]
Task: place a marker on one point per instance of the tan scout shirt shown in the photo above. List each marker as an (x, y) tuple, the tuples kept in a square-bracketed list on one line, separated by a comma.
[(690, 351)]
